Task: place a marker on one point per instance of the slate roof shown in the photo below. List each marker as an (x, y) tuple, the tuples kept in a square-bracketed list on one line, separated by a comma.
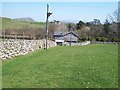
[(66, 36)]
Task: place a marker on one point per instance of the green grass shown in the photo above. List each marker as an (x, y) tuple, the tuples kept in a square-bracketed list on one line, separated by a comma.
[(10, 24), (0, 75), (92, 66)]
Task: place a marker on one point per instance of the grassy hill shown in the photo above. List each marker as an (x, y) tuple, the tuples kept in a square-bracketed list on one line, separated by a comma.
[(11, 24), (0, 24), (27, 19), (91, 66)]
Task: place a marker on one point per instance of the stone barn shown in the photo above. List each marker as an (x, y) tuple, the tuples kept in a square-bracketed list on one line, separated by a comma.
[(62, 38)]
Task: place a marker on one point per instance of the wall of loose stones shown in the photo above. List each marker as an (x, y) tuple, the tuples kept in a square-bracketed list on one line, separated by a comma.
[(10, 48)]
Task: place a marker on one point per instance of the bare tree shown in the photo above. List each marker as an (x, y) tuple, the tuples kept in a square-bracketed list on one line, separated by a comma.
[(114, 17)]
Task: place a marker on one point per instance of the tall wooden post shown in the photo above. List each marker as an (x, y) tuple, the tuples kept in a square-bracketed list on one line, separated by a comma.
[(47, 26), (48, 14)]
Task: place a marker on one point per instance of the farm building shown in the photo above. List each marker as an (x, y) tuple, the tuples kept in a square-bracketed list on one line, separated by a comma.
[(65, 37)]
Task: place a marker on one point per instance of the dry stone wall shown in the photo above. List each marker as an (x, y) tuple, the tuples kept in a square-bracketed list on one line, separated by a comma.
[(76, 44), (10, 48)]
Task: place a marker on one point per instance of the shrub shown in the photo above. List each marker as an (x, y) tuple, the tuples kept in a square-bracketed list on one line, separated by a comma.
[(115, 40), (98, 39), (103, 39), (84, 39), (90, 39)]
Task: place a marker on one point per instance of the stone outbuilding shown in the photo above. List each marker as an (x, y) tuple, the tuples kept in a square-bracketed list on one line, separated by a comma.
[(65, 37)]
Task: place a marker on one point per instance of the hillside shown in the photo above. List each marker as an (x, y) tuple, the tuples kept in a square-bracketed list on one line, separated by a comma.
[(0, 24), (13, 24), (26, 19)]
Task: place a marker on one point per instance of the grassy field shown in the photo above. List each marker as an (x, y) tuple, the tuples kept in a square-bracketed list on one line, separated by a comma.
[(91, 66), (11, 24)]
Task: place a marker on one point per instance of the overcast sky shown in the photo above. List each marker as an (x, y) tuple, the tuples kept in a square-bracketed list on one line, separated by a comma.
[(63, 11)]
